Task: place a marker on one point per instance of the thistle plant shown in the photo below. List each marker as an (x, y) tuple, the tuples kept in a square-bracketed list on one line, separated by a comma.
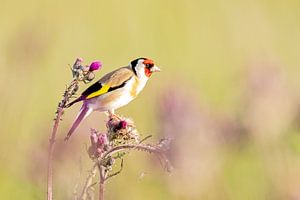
[(120, 137), (81, 73)]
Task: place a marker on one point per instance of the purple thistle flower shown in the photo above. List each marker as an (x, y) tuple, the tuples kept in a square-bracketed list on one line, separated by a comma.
[(122, 124), (95, 65), (102, 139)]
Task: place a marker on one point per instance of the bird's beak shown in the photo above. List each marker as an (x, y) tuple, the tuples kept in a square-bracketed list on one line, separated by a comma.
[(155, 69)]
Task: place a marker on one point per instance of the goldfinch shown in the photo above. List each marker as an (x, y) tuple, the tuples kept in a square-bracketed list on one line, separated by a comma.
[(114, 90)]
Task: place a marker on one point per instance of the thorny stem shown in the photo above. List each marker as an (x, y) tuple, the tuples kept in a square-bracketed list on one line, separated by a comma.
[(142, 147), (101, 190), (102, 181), (103, 177), (147, 148), (68, 93), (88, 182), (80, 73), (50, 155), (103, 151)]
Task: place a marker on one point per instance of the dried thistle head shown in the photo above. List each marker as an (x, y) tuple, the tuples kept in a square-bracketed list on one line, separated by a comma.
[(120, 138), (85, 72), (121, 130)]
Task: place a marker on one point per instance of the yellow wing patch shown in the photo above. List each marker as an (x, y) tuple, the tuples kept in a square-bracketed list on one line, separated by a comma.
[(103, 90)]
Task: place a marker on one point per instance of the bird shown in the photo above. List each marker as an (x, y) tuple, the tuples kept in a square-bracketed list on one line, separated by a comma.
[(114, 90)]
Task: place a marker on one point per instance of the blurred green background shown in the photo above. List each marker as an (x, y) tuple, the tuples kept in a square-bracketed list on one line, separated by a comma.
[(228, 94)]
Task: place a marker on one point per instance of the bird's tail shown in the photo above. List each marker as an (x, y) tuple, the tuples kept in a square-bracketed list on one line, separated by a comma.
[(83, 113)]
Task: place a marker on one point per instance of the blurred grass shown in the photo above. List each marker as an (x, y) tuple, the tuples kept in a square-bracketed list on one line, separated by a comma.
[(205, 45)]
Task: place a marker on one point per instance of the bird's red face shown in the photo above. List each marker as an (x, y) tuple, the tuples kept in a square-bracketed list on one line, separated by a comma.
[(150, 67)]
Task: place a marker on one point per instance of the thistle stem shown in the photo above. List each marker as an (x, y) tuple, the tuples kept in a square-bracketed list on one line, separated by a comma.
[(101, 190), (132, 146), (50, 155), (88, 183), (102, 181), (68, 93)]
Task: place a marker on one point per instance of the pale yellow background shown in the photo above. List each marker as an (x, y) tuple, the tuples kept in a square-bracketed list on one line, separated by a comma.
[(203, 47)]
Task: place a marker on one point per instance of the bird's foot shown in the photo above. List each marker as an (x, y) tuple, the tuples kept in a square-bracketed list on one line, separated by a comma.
[(113, 115), (66, 138)]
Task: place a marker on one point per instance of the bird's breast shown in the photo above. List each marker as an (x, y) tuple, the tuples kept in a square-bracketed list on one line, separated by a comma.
[(119, 97), (137, 86)]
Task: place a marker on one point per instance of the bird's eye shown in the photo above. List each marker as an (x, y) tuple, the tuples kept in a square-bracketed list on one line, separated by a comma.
[(148, 65)]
